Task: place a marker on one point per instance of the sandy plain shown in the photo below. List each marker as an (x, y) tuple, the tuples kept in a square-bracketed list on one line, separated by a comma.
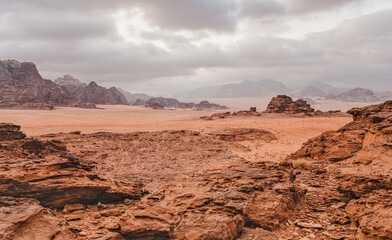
[(290, 131)]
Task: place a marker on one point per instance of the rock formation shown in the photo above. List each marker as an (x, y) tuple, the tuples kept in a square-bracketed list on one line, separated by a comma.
[(161, 103), (39, 177), (21, 86), (284, 104), (68, 186), (10, 131), (358, 157), (132, 98), (355, 95), (92, 93)]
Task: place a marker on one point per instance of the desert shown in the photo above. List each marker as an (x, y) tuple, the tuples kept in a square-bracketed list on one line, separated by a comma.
[(169, 174), (196, 120)]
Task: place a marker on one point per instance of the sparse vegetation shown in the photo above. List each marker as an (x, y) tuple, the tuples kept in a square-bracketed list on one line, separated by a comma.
[(301, 163)]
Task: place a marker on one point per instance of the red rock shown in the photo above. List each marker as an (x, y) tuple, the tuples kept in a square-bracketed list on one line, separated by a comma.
[(284, 104), (9, 131)]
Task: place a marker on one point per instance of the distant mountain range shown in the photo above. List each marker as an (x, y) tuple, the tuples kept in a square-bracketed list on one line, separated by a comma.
[(312, 92), (261, 88), (21, 86), (133, 97)]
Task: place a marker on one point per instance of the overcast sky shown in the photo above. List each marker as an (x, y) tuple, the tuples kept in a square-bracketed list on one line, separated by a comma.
[(167, 46)]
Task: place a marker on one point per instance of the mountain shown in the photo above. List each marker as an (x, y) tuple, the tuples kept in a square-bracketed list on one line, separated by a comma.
[(310, 91), (355, 95), (21, 86), (92, 93), (133, 97), (200, 92), (262, 88), (327, 88), (384, 96)]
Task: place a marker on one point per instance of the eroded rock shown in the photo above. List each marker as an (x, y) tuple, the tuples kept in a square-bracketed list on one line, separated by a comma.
[(9, 131)]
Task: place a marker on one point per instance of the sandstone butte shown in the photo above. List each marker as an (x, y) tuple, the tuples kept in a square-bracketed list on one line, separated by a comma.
[(193, 185)]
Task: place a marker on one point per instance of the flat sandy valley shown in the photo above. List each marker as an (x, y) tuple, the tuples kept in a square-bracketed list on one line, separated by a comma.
[(290, 131)]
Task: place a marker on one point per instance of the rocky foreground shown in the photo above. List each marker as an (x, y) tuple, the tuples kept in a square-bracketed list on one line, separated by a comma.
[(194, 185)]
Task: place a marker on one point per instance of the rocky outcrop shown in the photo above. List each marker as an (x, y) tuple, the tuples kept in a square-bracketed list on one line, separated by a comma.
[(21, 86), (371, 128), (358, 158), (9, 131), (24, 218), (161, 103), (194, 186), (100, 95), (205, 105), (132, 98), (244, 134), (284, 104), (56, 180), (355, 95), (92, 93)]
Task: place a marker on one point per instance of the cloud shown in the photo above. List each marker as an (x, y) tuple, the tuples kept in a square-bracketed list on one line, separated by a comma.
[(307, 6), (261, 8), (182, 43)]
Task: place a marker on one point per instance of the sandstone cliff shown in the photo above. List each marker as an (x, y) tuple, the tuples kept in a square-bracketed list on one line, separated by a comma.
[(22, 86), (92, 93)]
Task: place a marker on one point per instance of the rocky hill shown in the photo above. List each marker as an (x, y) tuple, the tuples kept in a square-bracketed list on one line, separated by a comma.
[(92, 93), (133, 97), (357, 163), (355, 95), (21, 86), (384, 96), (162, 103), (311, 91), (262, 88)]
